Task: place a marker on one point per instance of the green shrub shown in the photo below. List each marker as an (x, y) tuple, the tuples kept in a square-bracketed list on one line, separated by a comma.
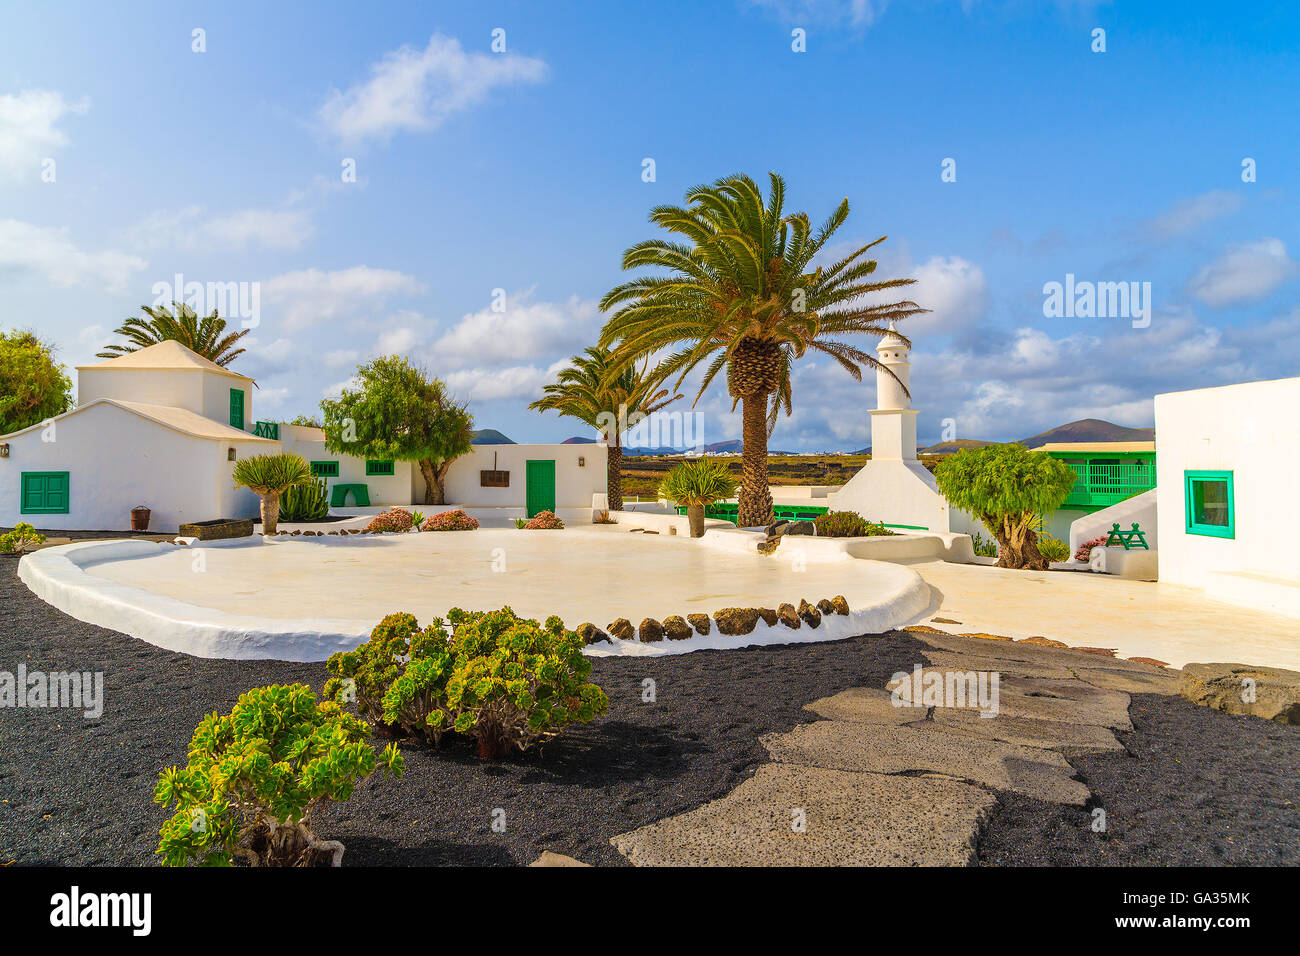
[(22, 538), (1053, 549), (521, 523), (847, 524), (307, 502), (698, 483), (256, 776), (504, 682)]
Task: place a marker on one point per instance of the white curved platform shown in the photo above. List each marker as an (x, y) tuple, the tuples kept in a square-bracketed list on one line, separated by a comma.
[(305, 598)]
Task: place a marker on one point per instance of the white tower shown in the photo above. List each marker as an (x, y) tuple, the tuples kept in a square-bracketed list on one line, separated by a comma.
[(893, 420)]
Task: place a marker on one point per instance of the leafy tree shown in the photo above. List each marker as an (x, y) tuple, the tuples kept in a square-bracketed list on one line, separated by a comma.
[(33, 387), (742, 294), (206, 336), (607, 400), (309, 421), (696, 485), (269, 476), (398, 412), (1007, 487)]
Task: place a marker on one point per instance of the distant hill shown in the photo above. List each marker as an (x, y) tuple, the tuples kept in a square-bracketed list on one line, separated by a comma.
[(952, 447), (717, 448), (578, 440), (490, 436), (1089, 429)]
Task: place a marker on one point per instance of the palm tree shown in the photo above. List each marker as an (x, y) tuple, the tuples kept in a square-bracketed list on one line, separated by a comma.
[(607, 400), (207, 336), (269, 476), (741, 293)]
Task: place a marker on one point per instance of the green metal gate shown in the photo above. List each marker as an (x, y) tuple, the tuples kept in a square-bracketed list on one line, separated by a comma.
[(539, 493)]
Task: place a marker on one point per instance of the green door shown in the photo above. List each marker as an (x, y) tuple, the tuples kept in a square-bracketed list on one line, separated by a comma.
[(237, 408), (540, 486), (44, 492)]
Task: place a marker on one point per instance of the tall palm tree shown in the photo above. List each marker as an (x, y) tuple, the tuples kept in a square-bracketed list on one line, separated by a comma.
[(742, 294), (590, 391), (207, 336)]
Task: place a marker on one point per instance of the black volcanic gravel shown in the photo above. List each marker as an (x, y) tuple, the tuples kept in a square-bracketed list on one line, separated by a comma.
[(1199, 787)]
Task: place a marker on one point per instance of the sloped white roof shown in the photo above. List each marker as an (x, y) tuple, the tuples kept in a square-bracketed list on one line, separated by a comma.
[(178, 419), (167, 354)]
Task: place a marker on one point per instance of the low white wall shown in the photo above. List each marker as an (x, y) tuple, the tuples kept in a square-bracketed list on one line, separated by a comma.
[(1140, 508), (896, 493), (574, 483), (392, 489)]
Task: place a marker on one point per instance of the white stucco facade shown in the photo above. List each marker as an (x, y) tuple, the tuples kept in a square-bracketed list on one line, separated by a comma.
[(163, 427), (1251, 433)]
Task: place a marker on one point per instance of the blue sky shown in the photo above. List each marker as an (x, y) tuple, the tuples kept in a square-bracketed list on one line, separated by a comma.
[(522, 171)]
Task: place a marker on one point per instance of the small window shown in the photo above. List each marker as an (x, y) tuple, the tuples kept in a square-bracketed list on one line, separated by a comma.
[(325, 469), (1209, 502), (374, 467), (44, 493)]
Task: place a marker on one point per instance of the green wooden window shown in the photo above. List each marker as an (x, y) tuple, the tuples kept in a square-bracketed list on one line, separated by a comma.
[(44, 493), (237, 408), (377, 467), (1209, 502), (325, 469)]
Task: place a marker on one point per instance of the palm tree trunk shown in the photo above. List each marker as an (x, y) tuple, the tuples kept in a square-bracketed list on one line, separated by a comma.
[(614, 476), (270, 509), (695, 517), (755, 507)]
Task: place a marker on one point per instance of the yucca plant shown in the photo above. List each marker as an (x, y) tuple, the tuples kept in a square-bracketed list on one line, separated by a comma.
[(206, 336), (595, 394), (696, 485), (268, 477), (741, 293)]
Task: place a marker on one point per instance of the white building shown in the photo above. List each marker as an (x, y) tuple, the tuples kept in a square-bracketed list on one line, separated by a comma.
[(1226, 460), (163, 427)]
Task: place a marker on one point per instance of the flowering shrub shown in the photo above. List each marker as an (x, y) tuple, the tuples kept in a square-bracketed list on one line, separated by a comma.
[(543, 520), (450, 521), (394, 519), (256, 775), (1085, 550), (847, 524), (22, 538), (505, 682)]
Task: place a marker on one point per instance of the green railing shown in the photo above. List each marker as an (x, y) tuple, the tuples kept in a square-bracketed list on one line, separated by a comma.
[(727, 511), (267, 430), (1104, 481)]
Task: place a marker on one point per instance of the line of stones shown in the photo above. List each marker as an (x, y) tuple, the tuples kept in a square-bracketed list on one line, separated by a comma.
[(729, 620)]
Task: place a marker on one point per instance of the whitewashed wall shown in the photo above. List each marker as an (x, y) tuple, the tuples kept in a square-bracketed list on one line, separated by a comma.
[(1252, 430), (383, 489), (574, 483)]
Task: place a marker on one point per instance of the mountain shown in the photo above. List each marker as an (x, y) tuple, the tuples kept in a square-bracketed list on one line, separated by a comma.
[(490, 436), (1089, 429), (578, 440), (716, 448), (952, 447)]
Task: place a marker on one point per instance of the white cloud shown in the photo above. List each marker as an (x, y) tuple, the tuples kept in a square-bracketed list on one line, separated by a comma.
[(857, 13), (524, 331), (518, 381), (416, 90), (340, 357), (311, 296), (397, 341), (272, 228), (953, 289), (1244, 273), (51, 255), (29, 130), (1188, 215)]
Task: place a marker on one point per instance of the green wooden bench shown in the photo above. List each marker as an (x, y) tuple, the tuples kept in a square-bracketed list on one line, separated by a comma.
[(360, 495), (1127, 538)]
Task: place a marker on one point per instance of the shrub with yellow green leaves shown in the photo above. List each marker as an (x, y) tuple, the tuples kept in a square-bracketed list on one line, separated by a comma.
[(505, 682), (256, 775)]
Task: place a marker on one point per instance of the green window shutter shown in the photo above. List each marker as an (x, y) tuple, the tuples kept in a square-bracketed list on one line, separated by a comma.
[(378, 467), (237, 408), (45, 492), (1209, 504), (325, 469)]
